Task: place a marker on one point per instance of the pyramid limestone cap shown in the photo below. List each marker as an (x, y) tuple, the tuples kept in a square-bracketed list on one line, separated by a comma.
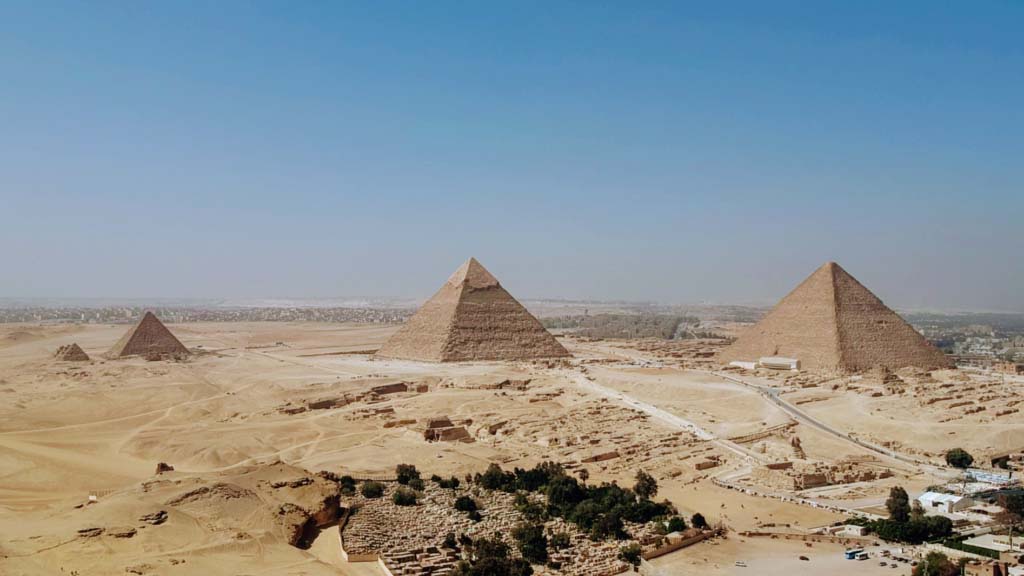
[(473, 274)]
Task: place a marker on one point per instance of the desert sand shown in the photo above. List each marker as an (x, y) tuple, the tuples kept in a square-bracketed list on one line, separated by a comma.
[(263, 404)]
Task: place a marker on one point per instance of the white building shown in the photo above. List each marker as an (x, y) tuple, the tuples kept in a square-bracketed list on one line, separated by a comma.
[(779, 363), (944, 503)]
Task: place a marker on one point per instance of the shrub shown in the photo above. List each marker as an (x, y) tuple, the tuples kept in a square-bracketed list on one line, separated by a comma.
[(416, 484), (475, 516), (676, 524), (404, 497), (449, 541), (371, 489), (630, 553), (450, 483), (465, 504), (698, 521), (406, 472), (959, 458), (348, 485), (559, 540)]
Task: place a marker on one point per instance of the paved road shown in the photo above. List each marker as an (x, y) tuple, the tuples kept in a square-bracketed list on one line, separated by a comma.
[(772, 395)]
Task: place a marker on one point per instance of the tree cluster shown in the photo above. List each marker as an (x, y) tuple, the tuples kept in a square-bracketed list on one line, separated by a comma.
[(597, 510), (908, 524), (490, 557)]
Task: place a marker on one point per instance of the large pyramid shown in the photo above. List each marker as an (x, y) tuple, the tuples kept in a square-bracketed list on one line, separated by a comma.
[(832, 323), (148, 338), (71, 353), (472, 318)]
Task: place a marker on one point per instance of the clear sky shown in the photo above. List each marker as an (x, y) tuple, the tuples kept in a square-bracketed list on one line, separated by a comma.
[(622, 150)]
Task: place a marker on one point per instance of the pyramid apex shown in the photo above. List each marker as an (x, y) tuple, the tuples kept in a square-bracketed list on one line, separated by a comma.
[(473, 274)]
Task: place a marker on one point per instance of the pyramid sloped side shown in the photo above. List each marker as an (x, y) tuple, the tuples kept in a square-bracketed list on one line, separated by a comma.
[(72, 353), (424, 335), (802, 325), (872, 335), (149, 336), (492, 325)]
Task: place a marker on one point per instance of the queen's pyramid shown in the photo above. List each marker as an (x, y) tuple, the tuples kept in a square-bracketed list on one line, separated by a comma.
[(71, 353), (148, 337), (472, 318), (832, 323)]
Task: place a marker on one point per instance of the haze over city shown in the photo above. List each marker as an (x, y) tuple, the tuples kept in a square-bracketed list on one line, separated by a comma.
[(664, 152)]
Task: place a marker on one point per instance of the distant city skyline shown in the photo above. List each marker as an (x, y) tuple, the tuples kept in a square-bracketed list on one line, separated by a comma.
[(658, 152)]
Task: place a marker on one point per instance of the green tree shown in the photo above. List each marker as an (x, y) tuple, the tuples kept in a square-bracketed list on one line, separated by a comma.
[(898, 504), (533, 544), (348, 485), (936, 564), (676, 524), (491, 558), (630, 553), (698, 521), (646, 486), (959, 458)]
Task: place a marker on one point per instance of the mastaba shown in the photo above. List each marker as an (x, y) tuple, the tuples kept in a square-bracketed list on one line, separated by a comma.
[(148, 337), (472, 318), (832, 323)]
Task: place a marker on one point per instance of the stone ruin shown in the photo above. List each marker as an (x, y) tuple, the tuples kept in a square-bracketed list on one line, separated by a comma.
[(791, 475), (472, 318), (441, 429), (71, 353), (833, 324), (409, 540), (150, 339)]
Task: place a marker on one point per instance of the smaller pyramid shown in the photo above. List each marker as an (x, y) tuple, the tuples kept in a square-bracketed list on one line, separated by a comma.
[(148, 338), (71, 353), (472, 318)]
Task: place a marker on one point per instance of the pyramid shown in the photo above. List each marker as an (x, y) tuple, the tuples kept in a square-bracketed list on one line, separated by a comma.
[(472, 318), (71, 353), (148, 338), (832, 323)]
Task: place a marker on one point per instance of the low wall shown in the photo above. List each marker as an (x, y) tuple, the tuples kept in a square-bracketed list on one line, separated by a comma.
[(678, 545), (823, 538)]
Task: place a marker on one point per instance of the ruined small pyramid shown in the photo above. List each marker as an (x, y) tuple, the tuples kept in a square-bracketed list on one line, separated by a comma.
[(832, 323), (148, 338), (472, 318), (71, 353)]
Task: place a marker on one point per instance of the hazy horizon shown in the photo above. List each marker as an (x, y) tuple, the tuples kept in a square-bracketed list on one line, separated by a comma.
[(655, 153)]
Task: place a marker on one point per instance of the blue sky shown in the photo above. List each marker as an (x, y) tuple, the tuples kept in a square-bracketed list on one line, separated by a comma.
[(647, 151)]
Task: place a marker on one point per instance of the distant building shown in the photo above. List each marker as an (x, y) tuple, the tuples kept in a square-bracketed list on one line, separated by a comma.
[(945, 503), (1012, 368)]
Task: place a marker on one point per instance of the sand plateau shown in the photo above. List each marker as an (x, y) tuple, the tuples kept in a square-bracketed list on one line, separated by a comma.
[(472, 318), (832, 323)]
